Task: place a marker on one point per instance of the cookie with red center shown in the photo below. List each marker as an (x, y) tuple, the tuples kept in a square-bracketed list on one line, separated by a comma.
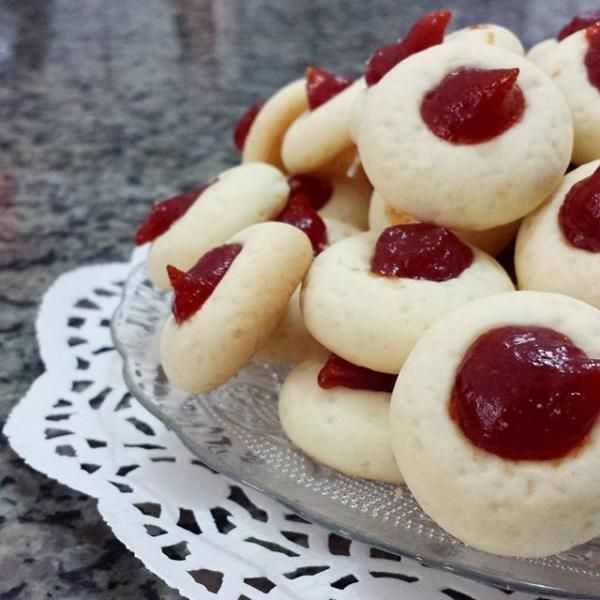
[(240, 197), (574, 66), (337, 413), (468, 136), (500, 447), (492, 241), (228, 304), (370, 297), (558, 246)]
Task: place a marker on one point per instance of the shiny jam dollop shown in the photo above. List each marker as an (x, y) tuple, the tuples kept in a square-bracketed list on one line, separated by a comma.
[(579, 214), (426, 32), (299, 213), (526, 393), (317, 190), (337, 372), (592, 56), (470, 106), (243, 126), (420, 251), (579, 22), (164, 213), (322, 86), (194, 287)]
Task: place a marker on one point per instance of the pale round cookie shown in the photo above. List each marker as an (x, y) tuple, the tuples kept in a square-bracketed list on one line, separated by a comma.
[(518, 508), (263, 143), (541, 54), (464, 186), (318, 136), (565, 65), (349, 202), (291, 342), (546, 261), (211, 346), (374, 321), (488, 33), (342, 428), (492, 241), (241, 196)]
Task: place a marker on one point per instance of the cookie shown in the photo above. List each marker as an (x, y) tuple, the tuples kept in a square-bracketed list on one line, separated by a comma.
[(240, 197), (343, 428), (291, 342), (491, 241), (565, 64), (264, 139), (523, 508), (484, 184), (546, 260), (374, 321), (317, 137), (215, 342), (487, 33)]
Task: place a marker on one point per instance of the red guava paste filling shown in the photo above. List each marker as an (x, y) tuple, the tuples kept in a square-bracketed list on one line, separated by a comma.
[(318, 191), (337, 372), (579, 214), (322, 86), (526, 393), (579, 22), (245, 123), (420, 251), (470, 106), (299, 213), (592, 56), (194, 287), (426, 32), (164, 213)]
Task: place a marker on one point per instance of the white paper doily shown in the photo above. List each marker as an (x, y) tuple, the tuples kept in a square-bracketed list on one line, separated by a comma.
[(202, 533)]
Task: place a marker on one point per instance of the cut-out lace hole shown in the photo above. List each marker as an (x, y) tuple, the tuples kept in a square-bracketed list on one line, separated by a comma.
[(65, 450), (154, 530), (157, 459), (211, 580), (150, 509), (102, 350), (238, 496), (305, 571), (82, 364), (262, 584), (145, 446), (86, 304), (76, 341), (122, 487), (221, 518), (96, 443), (199, 463), (343, 582), (75, 322), (126, 469), (271, 546), (105, 323), (187, 521), (297, 537), (124, 402), (141, 426), (296, 518), (456, 595), (61, 403), (60, 417), (80, 385), (377, 553), (338, 545), (98, 399), (53, 432), (103, 293), (400, 576), (177, 551), (89, 468)]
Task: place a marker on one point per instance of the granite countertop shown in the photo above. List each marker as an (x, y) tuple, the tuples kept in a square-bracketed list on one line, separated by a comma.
[(105, 106)]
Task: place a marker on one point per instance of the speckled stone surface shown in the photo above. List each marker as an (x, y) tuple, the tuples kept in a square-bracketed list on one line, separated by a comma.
[(104, 107)]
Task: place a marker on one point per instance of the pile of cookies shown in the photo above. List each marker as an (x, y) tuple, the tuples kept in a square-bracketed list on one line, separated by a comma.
[(356, 241)]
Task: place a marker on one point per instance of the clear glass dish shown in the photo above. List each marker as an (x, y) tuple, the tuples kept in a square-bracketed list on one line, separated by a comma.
[(235, 430)]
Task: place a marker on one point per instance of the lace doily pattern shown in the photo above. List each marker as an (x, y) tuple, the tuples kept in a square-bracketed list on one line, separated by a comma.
[(203, 533)]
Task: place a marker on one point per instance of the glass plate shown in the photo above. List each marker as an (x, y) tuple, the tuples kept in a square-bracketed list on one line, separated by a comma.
[(235, 430)]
